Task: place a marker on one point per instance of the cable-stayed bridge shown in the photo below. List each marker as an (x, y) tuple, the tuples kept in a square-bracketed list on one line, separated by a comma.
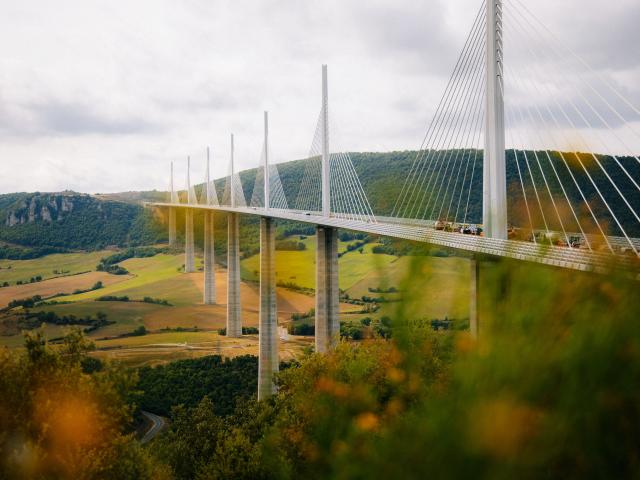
[(498, 138)]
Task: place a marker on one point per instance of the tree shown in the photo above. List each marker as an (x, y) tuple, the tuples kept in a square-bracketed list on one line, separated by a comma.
[(73, 423)]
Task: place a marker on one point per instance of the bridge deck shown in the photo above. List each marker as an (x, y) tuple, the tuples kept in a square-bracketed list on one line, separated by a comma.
[(563, 257)]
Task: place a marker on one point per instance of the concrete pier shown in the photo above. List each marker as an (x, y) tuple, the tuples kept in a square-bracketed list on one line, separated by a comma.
[(327, 293), (172, 227), (473, 296), (209, 265), (234, 314), (268, 356), (189, 259)]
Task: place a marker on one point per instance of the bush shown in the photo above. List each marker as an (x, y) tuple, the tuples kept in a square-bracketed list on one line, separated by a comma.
[(25, 302), (112, 298), (301, 329), (139, 331), (245, 331), (157, 301), (351, 332), (290, 245)]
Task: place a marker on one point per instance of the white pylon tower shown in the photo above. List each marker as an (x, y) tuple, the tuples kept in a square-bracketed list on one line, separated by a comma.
[(266, 161), (174, 196), (326, 181), (190, 198), (189, 262), (209, 199), (494, 191), (172, 211), (232, 191)]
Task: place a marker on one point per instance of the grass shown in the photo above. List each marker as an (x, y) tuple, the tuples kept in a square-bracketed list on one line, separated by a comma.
[(299, 266), (442, 282), (158, 338), (128, 315), (162, 347), (44, 266), (146, 270)]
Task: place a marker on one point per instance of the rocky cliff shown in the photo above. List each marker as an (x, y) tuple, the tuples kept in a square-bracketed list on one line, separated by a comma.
[(48, 207), (74, 220)]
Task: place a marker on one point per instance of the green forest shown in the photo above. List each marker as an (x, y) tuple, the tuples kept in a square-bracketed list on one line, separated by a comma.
[(92, 224)]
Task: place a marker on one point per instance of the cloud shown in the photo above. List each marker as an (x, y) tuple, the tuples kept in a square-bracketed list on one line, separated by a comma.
[(62, 118), (117, 90)]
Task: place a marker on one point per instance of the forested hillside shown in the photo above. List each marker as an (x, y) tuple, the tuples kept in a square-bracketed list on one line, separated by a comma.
[(383, 175), (77, 221), (74, 221)]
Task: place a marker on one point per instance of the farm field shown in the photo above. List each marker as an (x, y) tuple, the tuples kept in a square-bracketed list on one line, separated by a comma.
[(162, 347), (71, 263), (442, 290), (67, 284), (158, 277), (439, 285), (299, 266)]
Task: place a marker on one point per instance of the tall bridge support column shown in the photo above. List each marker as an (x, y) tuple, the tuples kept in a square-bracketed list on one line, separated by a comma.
[(327, 293), (209, 265), (494, 188), (172, 227), (473, 297), (234, 314), (189, 259), (268, 355)]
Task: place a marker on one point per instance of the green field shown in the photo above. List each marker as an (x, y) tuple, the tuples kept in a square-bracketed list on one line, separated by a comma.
[(433, 287), (13, 270), (159, 338), (438, 286), (299, 266), (146, 270)]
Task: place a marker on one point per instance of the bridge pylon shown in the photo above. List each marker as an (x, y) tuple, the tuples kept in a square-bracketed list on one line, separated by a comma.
[(172, 212), (494, 198), (267, 202), (327, 323), (189, 256), (268, 333), (326, 175)]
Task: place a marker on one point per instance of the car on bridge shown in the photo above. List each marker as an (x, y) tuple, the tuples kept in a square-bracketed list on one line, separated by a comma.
[(470, 229)]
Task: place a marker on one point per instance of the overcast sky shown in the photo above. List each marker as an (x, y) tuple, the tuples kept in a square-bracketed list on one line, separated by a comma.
[(99, 96)]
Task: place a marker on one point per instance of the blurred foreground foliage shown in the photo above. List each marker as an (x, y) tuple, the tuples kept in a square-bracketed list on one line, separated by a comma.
[(64, 415), (550, 390)]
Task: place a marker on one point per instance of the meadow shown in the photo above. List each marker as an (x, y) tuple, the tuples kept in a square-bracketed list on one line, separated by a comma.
[(299, 266), (12, 271), (186, 327)]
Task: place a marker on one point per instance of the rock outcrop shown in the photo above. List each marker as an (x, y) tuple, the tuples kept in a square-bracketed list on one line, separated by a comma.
[(46, 207)]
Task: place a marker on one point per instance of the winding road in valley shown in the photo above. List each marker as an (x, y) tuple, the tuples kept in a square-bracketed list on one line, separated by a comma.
[(157, 424)]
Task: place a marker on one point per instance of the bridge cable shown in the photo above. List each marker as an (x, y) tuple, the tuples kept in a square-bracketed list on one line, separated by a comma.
[(402, 195), (437, 148), (419, 163)]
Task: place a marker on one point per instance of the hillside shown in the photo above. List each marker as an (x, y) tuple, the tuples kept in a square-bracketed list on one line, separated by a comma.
[(383, 174), (72, 220)]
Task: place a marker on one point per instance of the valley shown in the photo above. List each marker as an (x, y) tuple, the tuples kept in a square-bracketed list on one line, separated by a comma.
[(142, 330)]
